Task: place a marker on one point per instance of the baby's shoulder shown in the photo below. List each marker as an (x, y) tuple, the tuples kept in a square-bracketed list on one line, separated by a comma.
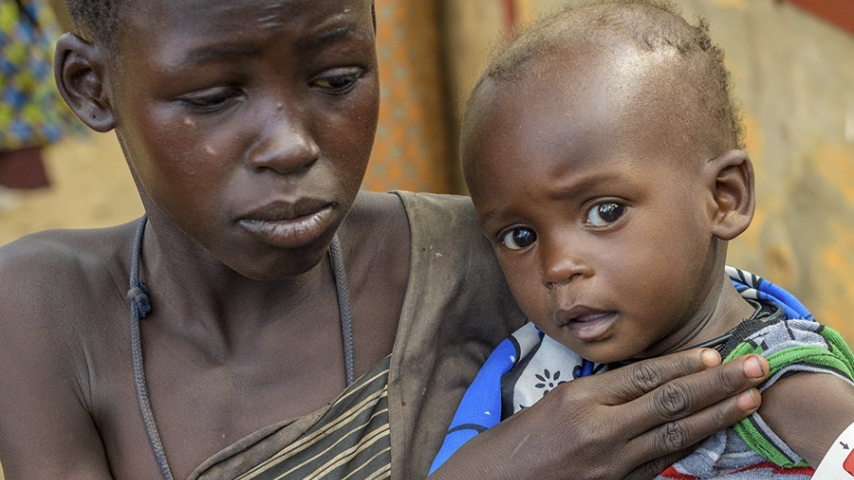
[(809, 396)]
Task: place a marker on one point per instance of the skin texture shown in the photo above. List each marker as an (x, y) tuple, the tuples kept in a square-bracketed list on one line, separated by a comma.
[(247, 125), (611, 225)]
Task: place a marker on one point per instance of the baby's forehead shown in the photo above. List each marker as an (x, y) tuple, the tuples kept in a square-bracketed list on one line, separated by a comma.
[(610, 84), (602, 81), (644, 24), (589, 99)]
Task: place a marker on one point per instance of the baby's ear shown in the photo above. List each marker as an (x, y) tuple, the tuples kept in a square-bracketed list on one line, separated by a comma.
[(730, 179), (81, 78)]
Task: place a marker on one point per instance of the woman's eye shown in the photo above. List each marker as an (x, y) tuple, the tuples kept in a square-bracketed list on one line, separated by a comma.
[(603, 214), (519, 238), (338, 83), (211, 99)]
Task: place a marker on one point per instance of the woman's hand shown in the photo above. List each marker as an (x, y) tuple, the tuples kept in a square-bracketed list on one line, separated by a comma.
[(632, 422)]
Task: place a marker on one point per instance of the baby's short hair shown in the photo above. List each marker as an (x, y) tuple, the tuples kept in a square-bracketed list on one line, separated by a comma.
[(649, 24), (96, 20)]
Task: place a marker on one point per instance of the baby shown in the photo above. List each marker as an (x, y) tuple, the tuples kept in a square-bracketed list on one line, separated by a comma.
[(603, 155)]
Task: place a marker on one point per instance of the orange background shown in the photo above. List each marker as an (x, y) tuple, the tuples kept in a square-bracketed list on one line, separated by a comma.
[(412, 149)]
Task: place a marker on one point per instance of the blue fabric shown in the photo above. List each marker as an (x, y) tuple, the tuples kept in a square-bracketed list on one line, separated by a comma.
[(756, 287), (480, 408)]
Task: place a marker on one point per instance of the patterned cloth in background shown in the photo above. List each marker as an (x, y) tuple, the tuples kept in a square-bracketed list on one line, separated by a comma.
[(31, 111), (527, 365)]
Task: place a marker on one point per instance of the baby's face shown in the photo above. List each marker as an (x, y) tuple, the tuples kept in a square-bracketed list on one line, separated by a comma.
[(595, 205), (249, 123)]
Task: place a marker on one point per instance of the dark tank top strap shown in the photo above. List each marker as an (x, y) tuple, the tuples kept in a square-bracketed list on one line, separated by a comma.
[(140, 307), (344, 312)]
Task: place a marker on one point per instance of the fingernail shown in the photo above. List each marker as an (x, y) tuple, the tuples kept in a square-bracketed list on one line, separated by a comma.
[(711, 358), (747, 401), (753, 368)]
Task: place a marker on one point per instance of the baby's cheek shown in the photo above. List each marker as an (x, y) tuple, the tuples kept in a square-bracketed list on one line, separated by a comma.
[(535, 302), (527, 288)]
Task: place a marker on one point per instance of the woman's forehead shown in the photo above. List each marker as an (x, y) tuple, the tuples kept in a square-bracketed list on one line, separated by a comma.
[(177, 19)]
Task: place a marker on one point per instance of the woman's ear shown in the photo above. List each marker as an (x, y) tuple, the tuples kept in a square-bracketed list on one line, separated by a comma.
[(81, 78), (730, 179)]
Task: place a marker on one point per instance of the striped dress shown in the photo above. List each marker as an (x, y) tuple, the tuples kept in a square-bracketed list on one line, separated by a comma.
[(347, 440)]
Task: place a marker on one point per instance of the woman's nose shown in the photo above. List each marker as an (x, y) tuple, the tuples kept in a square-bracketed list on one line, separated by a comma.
[(287, 144)]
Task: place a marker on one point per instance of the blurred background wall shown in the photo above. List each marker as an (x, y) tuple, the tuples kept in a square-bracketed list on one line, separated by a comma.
[(793, 68)]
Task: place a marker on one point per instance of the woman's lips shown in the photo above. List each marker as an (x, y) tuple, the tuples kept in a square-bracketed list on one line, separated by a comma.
[(290, 232)]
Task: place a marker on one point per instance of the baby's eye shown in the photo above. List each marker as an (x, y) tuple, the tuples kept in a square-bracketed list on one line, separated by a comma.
[(602, 214), (519, 238), (338, 84)]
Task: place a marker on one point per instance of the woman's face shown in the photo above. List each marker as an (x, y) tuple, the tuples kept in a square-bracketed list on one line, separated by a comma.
[(249, 123)]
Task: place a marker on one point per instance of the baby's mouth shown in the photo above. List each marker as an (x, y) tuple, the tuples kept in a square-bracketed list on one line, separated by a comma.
[(586, 324)]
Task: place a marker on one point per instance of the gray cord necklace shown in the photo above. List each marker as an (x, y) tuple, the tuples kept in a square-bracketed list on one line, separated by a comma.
[(140, 307)]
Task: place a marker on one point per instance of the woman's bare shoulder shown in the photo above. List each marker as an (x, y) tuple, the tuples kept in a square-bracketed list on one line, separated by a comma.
[(62, 270), (62, 337), (52, 248)]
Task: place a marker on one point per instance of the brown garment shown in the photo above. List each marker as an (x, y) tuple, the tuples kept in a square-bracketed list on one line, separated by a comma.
[(457, 309)]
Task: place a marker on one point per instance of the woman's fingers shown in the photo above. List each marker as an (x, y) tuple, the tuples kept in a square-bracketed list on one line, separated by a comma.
[(684, 432), (673, 402), (639, 419), (684, 411), (634, 381), (665, 389), (686, 395)]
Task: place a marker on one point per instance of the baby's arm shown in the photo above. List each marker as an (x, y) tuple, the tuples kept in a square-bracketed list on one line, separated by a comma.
[(808, 411), (45, 428), (808, 399)]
